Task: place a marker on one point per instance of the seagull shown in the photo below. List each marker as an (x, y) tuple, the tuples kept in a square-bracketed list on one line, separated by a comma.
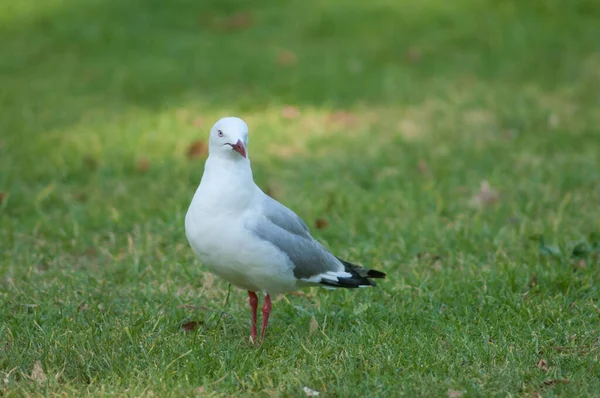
[(251, 240)]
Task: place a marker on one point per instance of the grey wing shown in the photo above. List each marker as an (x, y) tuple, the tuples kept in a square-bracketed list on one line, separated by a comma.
[(285, 230), (284, 218)]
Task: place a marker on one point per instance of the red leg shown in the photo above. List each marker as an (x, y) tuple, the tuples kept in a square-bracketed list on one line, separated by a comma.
[(266, 309), (253, 299)]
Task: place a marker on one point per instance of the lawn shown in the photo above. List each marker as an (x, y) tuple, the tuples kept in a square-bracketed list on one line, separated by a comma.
[(453, 145)]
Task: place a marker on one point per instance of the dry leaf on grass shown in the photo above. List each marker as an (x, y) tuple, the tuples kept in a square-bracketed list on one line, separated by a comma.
[(2, 196), (197, 149), (342, 118), (413, 55), (314, 325), (190, 325), (143, 165), (310, 392), (290, 112), (287, 58), (37, 374), (240, 20), (542, 364), (485, 197), (455, 394), (321, 223)]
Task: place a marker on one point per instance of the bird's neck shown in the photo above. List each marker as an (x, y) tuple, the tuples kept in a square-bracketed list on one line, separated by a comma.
[(226, 184)]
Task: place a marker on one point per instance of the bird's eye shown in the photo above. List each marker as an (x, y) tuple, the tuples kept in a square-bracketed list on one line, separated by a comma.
[(219, 133)]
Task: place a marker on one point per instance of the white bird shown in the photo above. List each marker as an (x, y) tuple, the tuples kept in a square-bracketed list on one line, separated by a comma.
[(249, 239)]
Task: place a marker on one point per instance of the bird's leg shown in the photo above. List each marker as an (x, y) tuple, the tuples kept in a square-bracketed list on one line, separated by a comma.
[(266, 310), (253, 299)]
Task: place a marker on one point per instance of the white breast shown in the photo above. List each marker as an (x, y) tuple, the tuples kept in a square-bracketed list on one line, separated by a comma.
[(219, 235)]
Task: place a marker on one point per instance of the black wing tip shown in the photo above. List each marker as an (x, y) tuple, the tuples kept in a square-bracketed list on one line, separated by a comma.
[(373, 273), (360, 277)]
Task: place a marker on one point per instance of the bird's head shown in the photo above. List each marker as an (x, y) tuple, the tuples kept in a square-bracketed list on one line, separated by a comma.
[(229, 138)]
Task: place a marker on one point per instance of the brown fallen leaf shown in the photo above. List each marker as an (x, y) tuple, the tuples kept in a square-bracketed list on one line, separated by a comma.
[(237, 21), (190, 325), (143, 165), (314, 325), (413, 55), (580, 263), (485, 197), (542, 364), (455, 394), (343, 118), (37, 373), (321, 223), (197, 149), (2, 196), (287, 58), (290, 112)]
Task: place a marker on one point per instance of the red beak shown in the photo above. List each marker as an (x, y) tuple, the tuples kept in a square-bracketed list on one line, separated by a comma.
[(239, 148)]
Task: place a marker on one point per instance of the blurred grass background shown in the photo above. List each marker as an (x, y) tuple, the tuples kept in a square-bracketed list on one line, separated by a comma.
[(452, 144)]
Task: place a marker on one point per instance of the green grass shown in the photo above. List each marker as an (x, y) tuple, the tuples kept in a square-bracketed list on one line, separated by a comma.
[(405, 108)]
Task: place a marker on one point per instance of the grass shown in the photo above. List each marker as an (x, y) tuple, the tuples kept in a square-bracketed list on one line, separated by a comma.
[(382, 118)]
